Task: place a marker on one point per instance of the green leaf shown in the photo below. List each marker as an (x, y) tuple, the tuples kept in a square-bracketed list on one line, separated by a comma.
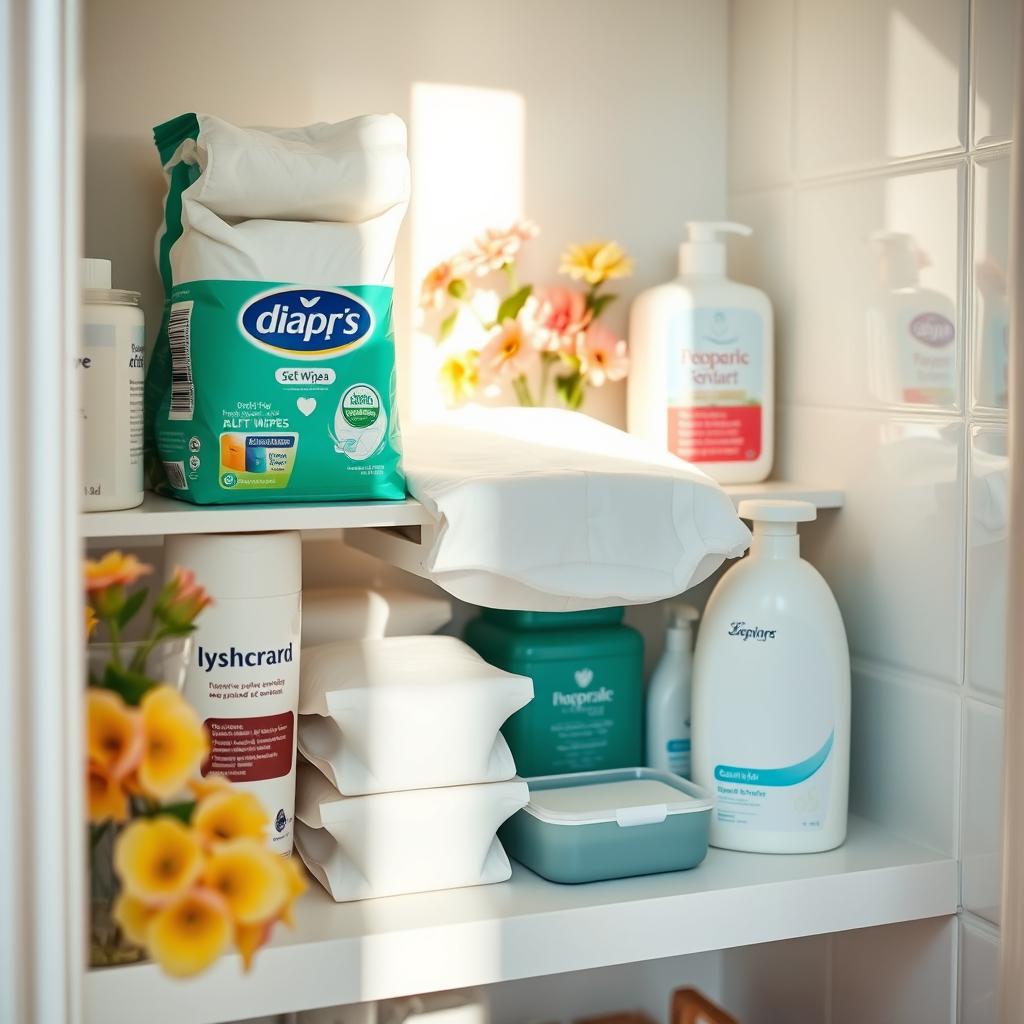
[(599, 303), (447, 325), (131, 607), (571, 390), (132, 686), (458, 289), (512, 304)]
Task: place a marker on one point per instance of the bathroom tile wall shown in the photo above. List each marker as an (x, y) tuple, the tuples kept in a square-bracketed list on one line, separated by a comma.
[(869, 149)]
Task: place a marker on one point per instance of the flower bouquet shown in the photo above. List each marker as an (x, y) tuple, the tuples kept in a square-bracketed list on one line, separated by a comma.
[(189, 870), (494, 329)]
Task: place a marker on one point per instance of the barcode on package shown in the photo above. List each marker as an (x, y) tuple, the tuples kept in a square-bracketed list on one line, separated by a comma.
[(176, 475), (183, 389)]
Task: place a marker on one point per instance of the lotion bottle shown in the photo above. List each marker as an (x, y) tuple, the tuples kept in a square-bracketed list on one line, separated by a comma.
[(668, 696), (701, 380), (771, 696)]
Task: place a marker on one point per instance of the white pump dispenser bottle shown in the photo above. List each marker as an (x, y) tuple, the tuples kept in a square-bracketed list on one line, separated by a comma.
[(668, 695), (771, 696), (702, 366)]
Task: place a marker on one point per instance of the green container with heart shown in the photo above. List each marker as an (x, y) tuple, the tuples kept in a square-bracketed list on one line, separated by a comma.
[(587, 710)]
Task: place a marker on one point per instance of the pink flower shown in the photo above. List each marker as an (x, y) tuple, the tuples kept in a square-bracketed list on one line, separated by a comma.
[(508, 353), (434, 290), (496, 247), (602, 355), (561, 315)]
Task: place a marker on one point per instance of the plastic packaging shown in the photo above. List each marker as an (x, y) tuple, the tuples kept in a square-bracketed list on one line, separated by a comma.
[(771, 696), (111, 374), (273, 376), (330, 614), (243, 676), (406, 713), (388, 844), (701, 381), (587, 713), (550, 510), (668, 695), (598, 825)]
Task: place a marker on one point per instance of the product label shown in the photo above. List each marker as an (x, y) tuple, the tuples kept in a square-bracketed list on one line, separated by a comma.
[(715, 374), (678, 751), (928, 358), (251, 749)]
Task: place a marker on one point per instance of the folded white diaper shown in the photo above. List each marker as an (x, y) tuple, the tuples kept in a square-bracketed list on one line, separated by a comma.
[(406, 713), (550, 510), (354, 613), (393, 843)]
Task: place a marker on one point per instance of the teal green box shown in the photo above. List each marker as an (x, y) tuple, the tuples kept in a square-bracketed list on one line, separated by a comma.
[(598, 841), (553, 620), (587, 709)]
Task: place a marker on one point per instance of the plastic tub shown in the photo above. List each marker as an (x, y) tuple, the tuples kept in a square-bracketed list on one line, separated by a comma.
[(612, 824)]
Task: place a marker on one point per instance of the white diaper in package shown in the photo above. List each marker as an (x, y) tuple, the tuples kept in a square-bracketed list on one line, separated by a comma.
[(388, 844), (409, 712), (549, 510), (354, 613)]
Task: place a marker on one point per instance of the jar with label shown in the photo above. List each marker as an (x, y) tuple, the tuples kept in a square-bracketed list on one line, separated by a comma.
[(111, 380)]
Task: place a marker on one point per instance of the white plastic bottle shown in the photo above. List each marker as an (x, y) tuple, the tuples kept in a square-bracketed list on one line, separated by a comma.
[(243, 676), (771, 696), (701, 379), (111, 379), (668, 696)]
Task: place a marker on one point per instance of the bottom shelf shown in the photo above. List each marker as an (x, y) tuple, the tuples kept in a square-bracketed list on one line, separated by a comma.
[(346, 953)]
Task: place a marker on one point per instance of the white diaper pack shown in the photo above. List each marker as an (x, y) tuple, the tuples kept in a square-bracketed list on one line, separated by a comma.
[(355, 613)]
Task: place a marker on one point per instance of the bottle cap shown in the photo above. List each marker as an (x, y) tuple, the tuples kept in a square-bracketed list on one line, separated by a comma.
[(775, 515), (239, 565), (95, 275), (681, 615), (704, 250)]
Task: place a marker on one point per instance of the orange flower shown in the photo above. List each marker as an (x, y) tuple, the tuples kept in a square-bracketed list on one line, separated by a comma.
[(91, 622), (113, 569), (107, 801), (181, 600), (187, 935), (157, 859), (113, 733), (174, 743)]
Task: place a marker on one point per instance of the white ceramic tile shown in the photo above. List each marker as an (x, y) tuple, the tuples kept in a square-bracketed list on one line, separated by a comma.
[(760, 92), (893, 554), (979, 974), (876, 293), (878, 80), (898, 974), (777, 982), (905, 756), (990, 330), (988, 513), (982, 810), (994, 33)]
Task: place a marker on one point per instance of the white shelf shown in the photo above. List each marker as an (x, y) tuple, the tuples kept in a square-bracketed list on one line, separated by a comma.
[(823, 497), (158, 516), (344, 953)]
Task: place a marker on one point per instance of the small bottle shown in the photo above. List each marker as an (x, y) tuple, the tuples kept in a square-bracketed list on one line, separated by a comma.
[(668, 696), (771, 696), (111, 380), (702, 369), (243, 673)]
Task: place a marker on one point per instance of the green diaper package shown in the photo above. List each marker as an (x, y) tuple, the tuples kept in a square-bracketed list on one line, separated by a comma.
[(273, 376)]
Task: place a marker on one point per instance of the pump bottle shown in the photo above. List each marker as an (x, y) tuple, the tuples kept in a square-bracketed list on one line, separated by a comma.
[(771, 696), (668, 696), (701, 380)]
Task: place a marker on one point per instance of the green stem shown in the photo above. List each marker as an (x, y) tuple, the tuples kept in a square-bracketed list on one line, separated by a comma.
[(115, 642), (143, 653), (546, 360), (513, 277), (522, 390)]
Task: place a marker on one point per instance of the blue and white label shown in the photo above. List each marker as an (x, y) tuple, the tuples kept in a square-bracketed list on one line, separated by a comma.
[(315, 322), (788, 798), (678, 752)]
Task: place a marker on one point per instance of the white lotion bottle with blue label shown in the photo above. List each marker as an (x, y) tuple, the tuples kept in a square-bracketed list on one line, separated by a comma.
[(701, 379), (771, 696), (668, 696)]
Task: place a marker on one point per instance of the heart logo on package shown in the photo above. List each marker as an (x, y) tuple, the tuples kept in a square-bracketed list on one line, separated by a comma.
[(306, 405), (584, 677)]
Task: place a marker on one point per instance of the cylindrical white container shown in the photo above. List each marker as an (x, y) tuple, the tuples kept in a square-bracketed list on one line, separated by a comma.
[(111, 375), (243, 675)]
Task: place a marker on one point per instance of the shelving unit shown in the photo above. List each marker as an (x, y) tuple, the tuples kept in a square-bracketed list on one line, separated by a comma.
[(344, 953)]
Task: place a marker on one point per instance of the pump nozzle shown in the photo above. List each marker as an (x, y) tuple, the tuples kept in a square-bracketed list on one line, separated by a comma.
[(775, 525), (704, 250), (681, 615)]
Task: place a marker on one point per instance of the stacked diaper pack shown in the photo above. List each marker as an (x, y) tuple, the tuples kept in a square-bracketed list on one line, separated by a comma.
[(407, 777)]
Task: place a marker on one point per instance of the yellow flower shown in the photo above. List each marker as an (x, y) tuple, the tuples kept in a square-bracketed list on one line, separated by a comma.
[(107, 800), (250, 879), (157, 859), (174, 743), (113, 569), (91, 622), (134, 917), (203, 786), (460, 377), (296, 887), (249, 938), (595, 262), (186, 936), (228, 814), (113, 733)]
